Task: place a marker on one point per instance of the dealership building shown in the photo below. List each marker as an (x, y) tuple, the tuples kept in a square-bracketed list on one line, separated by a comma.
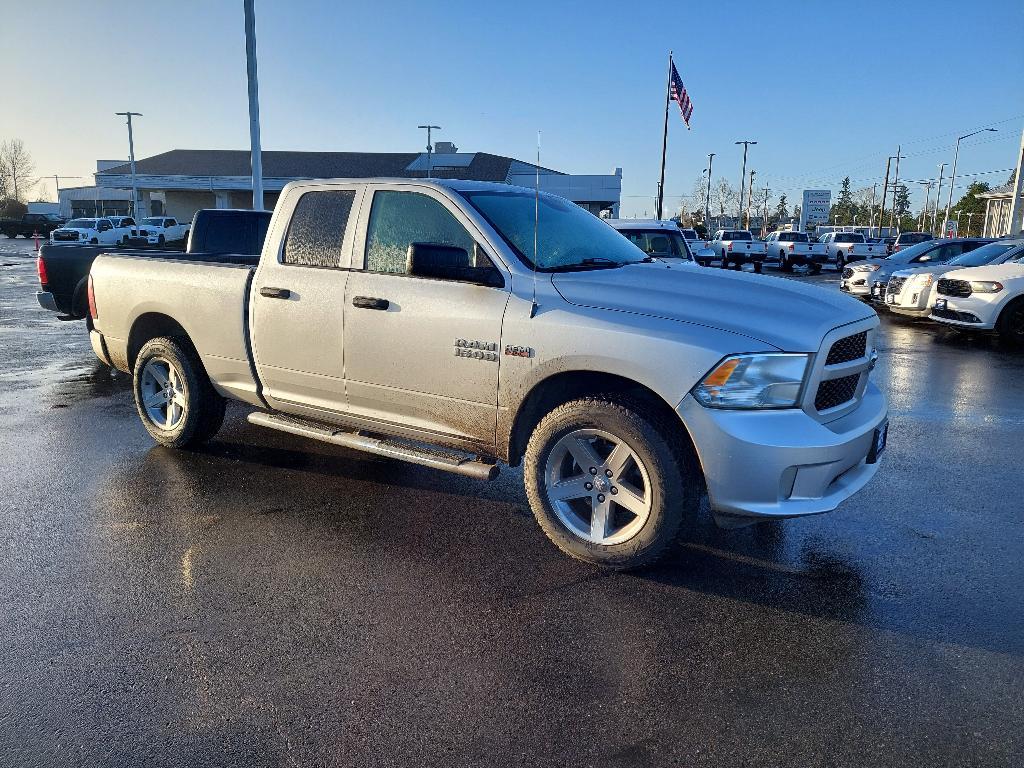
[(180, 182)]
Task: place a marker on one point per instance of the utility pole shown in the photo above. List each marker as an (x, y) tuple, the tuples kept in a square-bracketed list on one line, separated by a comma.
[(927, 199), (430, 148), (750, 194), (885, 191), (871, 208), (707, 196), (254, 105), (938, 196), (764, 227), (952, 175), (895, 186), (131, 159), (743, 178)]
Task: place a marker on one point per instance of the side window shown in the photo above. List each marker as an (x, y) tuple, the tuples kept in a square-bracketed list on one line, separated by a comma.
[(398, 219), (317, 229), (170, 223)]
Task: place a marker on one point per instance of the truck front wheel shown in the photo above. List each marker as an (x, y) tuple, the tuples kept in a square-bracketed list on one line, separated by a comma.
[(606, 485), (175, 400)]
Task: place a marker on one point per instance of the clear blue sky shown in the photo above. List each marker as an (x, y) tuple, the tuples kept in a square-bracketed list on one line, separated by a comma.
[(828, 89)]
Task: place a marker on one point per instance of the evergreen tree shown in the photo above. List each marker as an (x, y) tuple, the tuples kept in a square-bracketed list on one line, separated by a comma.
[(901, 205), (782, 210)]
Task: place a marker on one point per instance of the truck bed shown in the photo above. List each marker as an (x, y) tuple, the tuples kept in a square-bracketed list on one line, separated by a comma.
[(208, 296), (67, 266)]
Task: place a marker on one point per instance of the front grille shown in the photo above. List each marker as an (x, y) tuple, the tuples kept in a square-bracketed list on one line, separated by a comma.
[(895, 285), (959, 288), (834, 392), (850, 348), (65, 235), (847, 273)]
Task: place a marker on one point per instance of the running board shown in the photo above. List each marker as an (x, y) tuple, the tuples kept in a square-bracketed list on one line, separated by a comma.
[(427, 456)]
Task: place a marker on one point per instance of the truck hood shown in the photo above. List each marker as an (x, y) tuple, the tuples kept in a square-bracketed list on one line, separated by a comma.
[(791, 316)]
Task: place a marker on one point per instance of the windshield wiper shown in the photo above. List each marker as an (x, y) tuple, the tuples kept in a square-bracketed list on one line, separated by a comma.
[(594, 262)]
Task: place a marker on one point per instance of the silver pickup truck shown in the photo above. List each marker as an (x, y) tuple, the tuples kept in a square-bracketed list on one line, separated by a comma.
[(458, 324)]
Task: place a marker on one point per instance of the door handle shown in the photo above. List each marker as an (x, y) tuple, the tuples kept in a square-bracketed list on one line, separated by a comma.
[(275, 293), (369, 302)]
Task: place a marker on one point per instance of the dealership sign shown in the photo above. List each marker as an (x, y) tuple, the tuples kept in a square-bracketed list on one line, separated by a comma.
[(816, 205)]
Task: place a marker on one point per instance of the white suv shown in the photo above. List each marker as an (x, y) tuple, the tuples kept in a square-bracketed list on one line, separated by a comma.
[(984, 298)]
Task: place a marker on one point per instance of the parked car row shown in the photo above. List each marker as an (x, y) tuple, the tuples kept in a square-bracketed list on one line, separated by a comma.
[(120, 230), (969, 283)]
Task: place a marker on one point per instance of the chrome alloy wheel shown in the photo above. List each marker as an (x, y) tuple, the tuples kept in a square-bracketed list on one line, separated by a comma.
[(598, 486), (163, 394)]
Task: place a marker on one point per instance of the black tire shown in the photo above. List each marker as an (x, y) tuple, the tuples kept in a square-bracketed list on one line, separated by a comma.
[(160, 240), (757, 267), (204, 408), (814, 269), (1011, 323), (840, 261), (94, 241), (784, 263), (675, 480)]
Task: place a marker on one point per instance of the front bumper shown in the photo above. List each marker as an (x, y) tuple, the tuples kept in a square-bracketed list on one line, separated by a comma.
[(858, 284), (782, 463), (979, 310), (47, 301)]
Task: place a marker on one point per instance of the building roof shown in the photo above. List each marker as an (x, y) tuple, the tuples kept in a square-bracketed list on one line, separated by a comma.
[(1006, 190), (476, 166)]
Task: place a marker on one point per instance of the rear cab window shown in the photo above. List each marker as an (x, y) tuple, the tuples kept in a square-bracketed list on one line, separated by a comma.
[(316, 232)]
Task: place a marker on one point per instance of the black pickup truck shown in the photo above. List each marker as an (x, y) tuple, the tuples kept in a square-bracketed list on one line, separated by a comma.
[(64, 269), (30, 224)]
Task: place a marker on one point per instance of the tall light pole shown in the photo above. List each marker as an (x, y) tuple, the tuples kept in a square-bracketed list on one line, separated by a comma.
[(970, 215), (56, 185), (885, 191), (707, 195), (952, 175), (743, 178), (938, 196), (254, 105), (430, 147), (871, 209), (131, 160), (927, 202)]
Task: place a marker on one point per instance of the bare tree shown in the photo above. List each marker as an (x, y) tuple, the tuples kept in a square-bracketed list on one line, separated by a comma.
[(18, 168), (723, 196), (691, 206)]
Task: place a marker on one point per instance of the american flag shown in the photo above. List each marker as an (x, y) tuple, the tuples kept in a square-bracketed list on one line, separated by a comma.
[(678, 92)]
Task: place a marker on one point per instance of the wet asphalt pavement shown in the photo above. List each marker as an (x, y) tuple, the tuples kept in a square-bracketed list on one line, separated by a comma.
[(275, 601)]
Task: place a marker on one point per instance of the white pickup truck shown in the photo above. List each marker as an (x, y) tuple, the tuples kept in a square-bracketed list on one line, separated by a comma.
[(157, 230), (843, 247), (736, 247), (456, 324), (793, 249)]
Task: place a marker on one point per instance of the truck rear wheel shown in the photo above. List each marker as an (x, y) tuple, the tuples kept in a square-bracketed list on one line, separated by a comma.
[(175, 400), (606, 485)]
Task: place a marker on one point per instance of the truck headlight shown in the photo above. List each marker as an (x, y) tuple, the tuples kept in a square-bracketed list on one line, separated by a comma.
[(771, 380), (985, 286)]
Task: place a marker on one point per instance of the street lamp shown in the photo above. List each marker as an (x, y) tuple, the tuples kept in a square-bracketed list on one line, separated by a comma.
[(952, 176), (131, 159), (743, 179), (430, 147)]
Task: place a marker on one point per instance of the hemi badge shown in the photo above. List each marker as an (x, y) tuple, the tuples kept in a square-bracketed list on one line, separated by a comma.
[(514, 350)]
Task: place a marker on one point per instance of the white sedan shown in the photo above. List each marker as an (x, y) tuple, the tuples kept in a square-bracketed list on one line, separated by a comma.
[(158, 230)]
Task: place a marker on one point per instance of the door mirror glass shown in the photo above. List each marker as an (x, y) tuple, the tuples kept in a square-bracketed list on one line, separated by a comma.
[(447, 262)]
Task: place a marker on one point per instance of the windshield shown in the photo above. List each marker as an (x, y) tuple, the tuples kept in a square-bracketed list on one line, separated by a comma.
[(658, 242), (81, 224), (153, 222), (568, 237), (986, 254), (907, 255)]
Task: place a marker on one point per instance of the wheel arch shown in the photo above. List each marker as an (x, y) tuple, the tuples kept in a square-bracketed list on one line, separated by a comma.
[(564, 386), (151, 325)]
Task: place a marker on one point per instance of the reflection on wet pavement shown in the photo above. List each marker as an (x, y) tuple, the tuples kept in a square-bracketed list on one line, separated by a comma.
[(266, 600)]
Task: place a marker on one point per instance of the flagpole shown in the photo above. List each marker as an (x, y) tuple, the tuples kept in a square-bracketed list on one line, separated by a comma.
[(664, 136)]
